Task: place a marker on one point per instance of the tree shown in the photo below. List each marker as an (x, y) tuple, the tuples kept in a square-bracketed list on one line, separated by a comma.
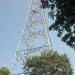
[(48, 63), (4, 71), (63, 12)]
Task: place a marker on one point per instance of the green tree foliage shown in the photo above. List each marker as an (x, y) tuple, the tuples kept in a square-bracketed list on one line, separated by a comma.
[(4, 71), (48, 63), (63, 11)]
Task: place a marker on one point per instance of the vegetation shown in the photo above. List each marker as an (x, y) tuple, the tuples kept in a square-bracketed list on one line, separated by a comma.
[(4, 71), (48, 63), (63, 12)]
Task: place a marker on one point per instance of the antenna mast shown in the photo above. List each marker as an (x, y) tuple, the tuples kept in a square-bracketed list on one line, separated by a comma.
[(35, 35)]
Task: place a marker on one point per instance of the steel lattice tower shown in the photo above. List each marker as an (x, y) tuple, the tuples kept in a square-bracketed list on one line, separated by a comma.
[(35, 36)]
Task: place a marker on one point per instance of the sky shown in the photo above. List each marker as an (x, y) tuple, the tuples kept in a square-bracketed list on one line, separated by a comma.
[(13, 14)]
